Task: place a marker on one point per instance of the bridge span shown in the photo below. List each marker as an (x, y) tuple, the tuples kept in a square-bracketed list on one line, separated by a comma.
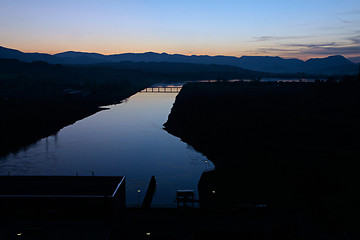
[(174, 89)]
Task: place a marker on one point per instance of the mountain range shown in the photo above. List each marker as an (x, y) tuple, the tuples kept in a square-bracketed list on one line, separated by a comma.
[(329, 65)]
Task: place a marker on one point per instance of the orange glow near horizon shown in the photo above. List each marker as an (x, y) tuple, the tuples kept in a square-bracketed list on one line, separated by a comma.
[(107, 51), (292, 29)]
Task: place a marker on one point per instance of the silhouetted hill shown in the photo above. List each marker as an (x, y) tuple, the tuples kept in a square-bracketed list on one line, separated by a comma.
[(328, 62), (72, 57), (10, 53), (355, 59), (255, 63), (136, 71), (27, 57), (179, 68), (271, 64), (329, 65)]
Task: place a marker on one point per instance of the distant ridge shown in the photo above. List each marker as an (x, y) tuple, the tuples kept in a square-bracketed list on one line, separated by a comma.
[(355, 59), (329, 65)]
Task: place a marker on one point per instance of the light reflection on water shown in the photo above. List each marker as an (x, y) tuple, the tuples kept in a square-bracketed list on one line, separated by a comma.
[(126, 140)]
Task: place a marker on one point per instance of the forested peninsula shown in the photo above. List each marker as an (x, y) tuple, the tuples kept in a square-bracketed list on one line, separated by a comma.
[(291, 146)]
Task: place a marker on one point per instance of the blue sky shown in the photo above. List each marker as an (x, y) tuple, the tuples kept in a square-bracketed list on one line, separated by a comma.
[(287, 28)]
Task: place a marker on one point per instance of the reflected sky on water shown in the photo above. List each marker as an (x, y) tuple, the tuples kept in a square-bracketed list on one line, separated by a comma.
[(128, 139)]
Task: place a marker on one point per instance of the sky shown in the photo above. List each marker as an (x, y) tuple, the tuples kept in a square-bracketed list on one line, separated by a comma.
[(286, 28)]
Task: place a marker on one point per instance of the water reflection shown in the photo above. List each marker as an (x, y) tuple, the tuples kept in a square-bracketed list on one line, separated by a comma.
[(128, 139)]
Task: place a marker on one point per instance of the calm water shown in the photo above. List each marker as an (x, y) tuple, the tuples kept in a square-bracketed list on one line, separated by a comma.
[(126, 140)]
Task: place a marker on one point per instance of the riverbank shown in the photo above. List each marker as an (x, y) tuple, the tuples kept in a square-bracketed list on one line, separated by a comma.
[(28, 116), (290, 146), (37, 99)]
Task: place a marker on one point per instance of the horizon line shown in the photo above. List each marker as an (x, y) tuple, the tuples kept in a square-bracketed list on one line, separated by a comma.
[(183, 54)]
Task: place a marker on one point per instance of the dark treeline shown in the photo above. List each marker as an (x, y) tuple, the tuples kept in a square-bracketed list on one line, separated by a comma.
[(190, 71), (172, 72), (291, 146), (16, 74), (37, 99)]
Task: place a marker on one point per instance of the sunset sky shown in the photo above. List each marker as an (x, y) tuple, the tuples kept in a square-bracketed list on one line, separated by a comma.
[(286, 28)]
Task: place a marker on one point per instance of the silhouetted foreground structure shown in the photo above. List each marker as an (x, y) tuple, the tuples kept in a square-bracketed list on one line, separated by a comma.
[(60, 207), (292, 147), (149, 193), (185, 198), (92, 208), (62, 195)]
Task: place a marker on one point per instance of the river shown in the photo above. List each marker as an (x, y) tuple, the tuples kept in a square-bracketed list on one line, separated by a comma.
[(126, 140)]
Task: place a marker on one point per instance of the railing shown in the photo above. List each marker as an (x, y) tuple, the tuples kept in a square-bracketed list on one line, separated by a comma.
[(162, 89), (121, 184)]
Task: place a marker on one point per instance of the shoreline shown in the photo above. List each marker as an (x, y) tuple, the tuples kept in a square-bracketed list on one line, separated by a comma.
[(291, 146), (24, 129)]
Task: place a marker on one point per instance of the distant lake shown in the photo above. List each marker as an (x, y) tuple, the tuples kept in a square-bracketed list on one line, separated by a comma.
[(126, 140)]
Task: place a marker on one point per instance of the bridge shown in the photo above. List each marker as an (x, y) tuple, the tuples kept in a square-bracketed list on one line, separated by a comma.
[(162, 89)]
